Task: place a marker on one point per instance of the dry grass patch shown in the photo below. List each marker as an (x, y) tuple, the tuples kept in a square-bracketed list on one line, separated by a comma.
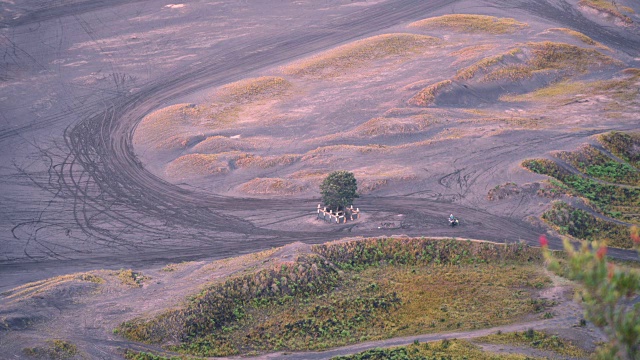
[(393, 126), (309, 174), (444, 135), (55, 349), (561, 56), (250, 160), (374, 177), (427, 96), (517, 122), (537, 57), (537, 340), (578, 35), (182, 125), (625, 90), (471, 52), (254, 89), (272, 186), (359, 53), (129, 277), (228, 103), (217, 144), (486, 63), (170, 127), (334, 149), (194, 165), (557, 92), (610, 8), (471, 24), (29, 290)]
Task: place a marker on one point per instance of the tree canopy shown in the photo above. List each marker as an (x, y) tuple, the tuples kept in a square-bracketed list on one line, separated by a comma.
[(339, 189)]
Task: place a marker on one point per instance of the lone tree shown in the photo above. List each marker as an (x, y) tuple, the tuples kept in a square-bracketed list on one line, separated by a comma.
[(339, 189)]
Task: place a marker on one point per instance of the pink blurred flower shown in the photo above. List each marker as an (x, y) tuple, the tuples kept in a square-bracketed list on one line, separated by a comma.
[(543, 241), (602, 251)]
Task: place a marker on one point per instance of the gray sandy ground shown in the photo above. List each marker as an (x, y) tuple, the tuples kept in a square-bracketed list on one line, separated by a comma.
[(76, 78)]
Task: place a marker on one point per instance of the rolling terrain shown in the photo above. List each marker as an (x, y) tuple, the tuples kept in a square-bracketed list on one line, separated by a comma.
[(141, 133)]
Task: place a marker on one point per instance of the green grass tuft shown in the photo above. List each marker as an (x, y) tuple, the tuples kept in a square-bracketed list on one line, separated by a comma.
[(582, 225)]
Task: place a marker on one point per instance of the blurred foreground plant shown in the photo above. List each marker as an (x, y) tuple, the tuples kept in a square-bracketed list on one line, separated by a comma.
[(610, 294)]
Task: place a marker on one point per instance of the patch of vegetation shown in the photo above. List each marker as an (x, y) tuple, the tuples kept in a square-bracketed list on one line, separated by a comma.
[(471, 24), (167, 128), (344, 293), (361, 52), (542, 57), (607, 292), (624, 145), (218, 144), (559, 91), (612, 200), (578, 35), (392, 125), (427, 96), (174, 266), (375, 177), (250, 160), (39, 287), (486, 63), (143, 355), (545, 167), (515, 72), (610, 8), (582, 225), (560, 56), (55, 349), (278, 186), (255, 89), (592, 162), (445, 349), (172, 127), (191, 165), (130, 278), (503, 191), (536, 339), (624, 90), (358, 149), (339, 189), (471, 52)]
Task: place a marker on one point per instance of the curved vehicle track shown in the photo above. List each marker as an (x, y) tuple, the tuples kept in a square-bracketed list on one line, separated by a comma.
[(134, 217)]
